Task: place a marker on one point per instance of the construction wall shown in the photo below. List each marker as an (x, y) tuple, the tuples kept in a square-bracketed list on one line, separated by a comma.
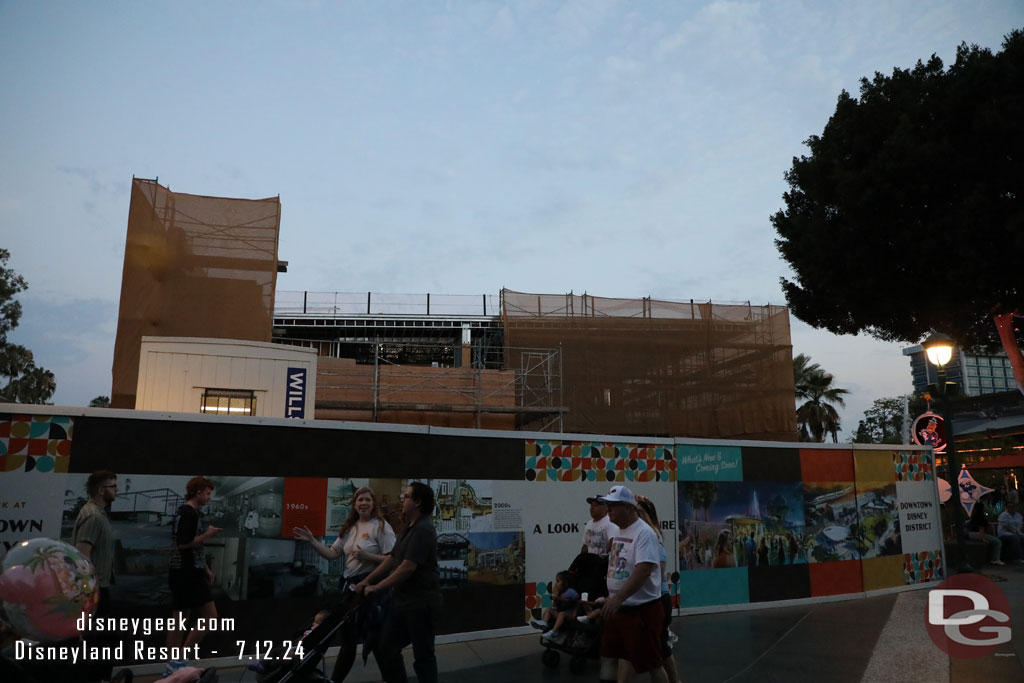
[(194, 266), (760, 523), (642, 366), (833, 520)]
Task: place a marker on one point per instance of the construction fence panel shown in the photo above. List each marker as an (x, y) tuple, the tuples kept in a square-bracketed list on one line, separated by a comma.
[(745, 524)]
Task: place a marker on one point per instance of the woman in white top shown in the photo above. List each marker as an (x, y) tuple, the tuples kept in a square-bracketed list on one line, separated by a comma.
[(365, 540)]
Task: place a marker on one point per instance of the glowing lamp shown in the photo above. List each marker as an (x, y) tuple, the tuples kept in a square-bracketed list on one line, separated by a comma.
[(939, 349)]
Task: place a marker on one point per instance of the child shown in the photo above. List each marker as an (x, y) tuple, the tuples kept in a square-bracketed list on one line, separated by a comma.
[(318, 619), (563, 607), (273, 661)]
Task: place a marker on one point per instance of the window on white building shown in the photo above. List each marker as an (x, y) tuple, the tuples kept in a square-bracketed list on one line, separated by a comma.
[(228, 402)]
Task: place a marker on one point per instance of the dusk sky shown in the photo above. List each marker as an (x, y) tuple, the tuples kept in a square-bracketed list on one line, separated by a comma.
[(624, 149)]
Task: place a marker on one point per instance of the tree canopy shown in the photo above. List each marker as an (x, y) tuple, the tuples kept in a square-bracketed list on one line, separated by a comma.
[(883, 421), (908, 214), (25, 383)]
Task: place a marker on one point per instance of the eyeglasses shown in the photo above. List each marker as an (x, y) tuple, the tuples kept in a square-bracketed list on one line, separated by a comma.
[(109, 486)]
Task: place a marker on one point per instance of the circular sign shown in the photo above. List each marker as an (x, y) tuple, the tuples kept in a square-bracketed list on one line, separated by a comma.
[(929, 429), (968, 616)]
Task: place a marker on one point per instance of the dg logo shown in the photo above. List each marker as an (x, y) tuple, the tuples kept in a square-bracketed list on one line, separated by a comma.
[(968, 616)]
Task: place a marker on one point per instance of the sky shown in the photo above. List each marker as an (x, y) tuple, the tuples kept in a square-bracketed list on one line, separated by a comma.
[(619, 148)]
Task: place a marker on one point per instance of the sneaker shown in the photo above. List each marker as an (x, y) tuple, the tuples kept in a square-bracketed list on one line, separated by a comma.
[(1018, 561), (554, 637), (539, 623), (999, 562), (173, 665), (583, 619)]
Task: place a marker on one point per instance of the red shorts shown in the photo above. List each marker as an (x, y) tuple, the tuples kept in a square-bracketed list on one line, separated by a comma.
[(634, 633)]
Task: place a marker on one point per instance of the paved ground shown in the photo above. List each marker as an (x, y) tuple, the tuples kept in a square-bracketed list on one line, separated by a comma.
[(871, 640)]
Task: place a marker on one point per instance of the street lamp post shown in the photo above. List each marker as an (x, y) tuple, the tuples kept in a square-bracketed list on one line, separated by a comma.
[(939, 350)]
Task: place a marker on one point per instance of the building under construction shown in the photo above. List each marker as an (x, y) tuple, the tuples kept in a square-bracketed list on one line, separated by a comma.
[(204, 268), (567, 363), (421, 359)]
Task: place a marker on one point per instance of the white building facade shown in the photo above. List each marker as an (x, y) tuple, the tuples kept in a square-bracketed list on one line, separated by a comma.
[(226, 377)]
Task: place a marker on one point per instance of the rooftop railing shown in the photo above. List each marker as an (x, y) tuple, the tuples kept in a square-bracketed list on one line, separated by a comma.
[(373, 303)]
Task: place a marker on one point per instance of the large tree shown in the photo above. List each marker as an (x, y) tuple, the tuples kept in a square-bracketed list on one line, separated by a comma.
[(883, 421), (908, 214), (24, 382)]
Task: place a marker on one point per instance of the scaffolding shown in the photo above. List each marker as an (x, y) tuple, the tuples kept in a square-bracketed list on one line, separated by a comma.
[(439, 384), (436, 359), (666, 368)]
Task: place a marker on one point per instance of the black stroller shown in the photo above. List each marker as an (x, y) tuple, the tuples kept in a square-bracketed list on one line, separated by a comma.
[(315, 645), (582, 640)]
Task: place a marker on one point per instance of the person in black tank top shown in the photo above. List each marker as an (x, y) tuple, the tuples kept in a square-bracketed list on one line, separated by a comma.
[(188, 575)]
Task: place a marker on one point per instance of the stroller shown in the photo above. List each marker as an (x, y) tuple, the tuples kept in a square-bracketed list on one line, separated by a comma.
[(582, 640), (315, 645)]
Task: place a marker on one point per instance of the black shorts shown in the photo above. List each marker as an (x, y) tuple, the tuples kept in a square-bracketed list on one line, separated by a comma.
[(189, 588)]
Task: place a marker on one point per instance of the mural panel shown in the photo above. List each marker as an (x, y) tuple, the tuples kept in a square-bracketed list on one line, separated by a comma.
[(857, 519), (742, 523)]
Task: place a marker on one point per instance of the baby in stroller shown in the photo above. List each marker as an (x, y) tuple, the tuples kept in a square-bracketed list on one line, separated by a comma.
[(274, 660), (580, 639), (563, 607), (305, 667)]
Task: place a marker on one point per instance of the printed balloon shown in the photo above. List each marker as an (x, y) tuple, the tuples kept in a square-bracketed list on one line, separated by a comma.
[(46, 586)]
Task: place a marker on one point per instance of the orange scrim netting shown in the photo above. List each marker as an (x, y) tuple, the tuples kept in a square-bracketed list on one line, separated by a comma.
[(663, 368), (194, 266)]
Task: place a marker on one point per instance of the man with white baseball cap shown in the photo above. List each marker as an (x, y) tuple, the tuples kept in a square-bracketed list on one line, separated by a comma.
[(633, 613)]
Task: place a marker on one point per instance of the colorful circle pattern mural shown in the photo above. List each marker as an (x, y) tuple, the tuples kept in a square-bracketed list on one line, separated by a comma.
[(922, 567), (599, 462), (913, 465), (35, 442)]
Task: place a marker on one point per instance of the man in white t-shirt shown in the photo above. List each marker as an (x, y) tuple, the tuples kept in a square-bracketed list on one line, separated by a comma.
[(599, 529), (633, 614)]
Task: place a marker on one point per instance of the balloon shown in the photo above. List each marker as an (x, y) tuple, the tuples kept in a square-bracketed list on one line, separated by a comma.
[(46, 586)]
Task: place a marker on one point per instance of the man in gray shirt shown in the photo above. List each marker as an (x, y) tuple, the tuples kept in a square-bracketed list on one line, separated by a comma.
[(93, 538), (411, 569)]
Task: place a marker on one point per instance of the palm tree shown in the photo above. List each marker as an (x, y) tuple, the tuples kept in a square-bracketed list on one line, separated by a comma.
[(701, 494), (817, 416), (802, 368)]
